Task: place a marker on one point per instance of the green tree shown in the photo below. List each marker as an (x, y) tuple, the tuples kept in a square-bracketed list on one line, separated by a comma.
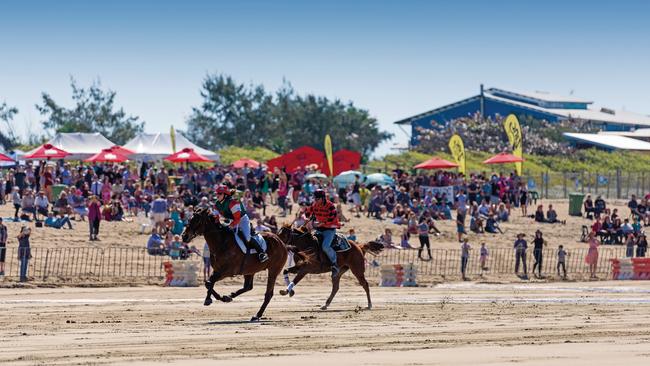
[(8, 140), (234, 114), (93, 112)]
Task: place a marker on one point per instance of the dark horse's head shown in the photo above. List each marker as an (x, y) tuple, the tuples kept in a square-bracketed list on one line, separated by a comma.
[(199, 224)]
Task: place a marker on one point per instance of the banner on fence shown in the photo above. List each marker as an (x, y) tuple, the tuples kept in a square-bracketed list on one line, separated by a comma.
[(448, 190)]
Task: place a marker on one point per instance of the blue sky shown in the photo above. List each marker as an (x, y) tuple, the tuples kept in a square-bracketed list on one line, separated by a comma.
[(394, 58)]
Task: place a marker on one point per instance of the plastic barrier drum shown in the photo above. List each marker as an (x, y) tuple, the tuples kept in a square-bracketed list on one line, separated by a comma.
[(631, 269), (181, 273), (396, 275)]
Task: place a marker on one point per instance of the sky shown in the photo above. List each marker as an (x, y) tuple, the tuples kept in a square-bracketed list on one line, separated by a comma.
[(393, 58)]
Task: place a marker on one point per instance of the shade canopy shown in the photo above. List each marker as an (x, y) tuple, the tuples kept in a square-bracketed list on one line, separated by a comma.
[(296, 159), (436, 163), (503, 158), (157, 146), (347, 177), (187, 155), (79, 145), (4, 157), (245, 161), (121, 150), (379, 179), (108, 156), (316, 176), (47, 151)]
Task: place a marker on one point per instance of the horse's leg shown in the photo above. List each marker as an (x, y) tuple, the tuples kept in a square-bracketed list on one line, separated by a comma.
[(248, 285), (209, 285), (359, 272), (270, 285), (293, 283), (335, 288)]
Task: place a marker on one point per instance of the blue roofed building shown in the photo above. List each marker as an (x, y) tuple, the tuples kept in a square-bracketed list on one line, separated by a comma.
[(495, 102)]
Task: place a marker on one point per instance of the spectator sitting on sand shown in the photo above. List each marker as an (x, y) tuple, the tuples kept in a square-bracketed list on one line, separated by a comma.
[(57, 222)]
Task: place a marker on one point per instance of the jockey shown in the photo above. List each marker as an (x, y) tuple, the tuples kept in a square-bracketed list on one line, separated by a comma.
[(326, 217), (233, 210)]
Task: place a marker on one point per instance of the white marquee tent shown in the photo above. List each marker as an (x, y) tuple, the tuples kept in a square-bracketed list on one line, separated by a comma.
[(156, 146), (80, 145)]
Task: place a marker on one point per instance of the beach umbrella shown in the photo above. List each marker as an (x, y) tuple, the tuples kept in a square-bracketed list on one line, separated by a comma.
[(122, 150), (436, 163), (4, 157), (503, 158), (241, 162), (379, 179), (316, 176), (187, 155), (47, 151), (108, 156), (347, 177)]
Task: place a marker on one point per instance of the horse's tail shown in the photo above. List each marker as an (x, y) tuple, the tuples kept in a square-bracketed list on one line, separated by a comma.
[(301, 257), (373, 247)]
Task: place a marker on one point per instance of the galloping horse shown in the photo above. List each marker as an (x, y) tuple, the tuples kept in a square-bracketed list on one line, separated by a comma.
[(352, 259), (227, 260)]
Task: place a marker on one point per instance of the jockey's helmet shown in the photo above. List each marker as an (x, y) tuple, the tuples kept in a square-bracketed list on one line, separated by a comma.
[(223, 189), (319, 193)]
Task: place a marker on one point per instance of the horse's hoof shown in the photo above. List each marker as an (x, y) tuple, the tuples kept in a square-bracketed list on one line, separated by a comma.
[(255, 319), (226, 298), (291, 293), (284, 292), (369, 307), (324, 307), (207, 301)]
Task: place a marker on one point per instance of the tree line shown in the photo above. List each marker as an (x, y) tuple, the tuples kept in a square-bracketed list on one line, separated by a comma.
[(230, 114)]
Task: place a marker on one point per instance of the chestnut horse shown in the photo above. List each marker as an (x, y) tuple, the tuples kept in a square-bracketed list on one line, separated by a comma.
[(227, 260), (352, 259)]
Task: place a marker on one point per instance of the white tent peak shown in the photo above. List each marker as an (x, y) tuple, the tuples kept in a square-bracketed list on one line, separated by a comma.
[(80, 145), (156, 146)]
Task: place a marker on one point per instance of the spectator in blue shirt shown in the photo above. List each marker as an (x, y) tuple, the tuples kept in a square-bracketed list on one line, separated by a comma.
[(57, 222), (155, 244)]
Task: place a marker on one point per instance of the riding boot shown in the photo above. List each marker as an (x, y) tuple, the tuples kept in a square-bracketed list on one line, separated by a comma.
[(335, 270), (263, 257)]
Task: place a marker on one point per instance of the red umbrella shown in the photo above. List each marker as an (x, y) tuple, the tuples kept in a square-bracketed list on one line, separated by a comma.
[(47, 151), (436, 163), (187, 155), (121, 150), (241, 162), (4, 157), (503, 158), (108, 156)]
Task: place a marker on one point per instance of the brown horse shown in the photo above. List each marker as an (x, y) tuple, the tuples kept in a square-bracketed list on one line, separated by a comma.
[(352, 259), (227, 260)]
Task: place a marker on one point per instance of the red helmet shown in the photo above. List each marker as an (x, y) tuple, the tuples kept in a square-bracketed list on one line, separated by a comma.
[(223, 189)]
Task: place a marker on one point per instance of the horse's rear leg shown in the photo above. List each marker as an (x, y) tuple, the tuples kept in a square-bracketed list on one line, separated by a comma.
[(248, 285), (359, 273), (270, 285), (335, 288), (293, 283)]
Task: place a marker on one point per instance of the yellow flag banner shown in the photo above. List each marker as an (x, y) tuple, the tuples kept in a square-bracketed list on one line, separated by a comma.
[(172, 135), (328, 154), (457, 149), (513, 130)]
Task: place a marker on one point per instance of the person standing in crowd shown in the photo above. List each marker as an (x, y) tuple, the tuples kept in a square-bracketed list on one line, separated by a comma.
[(520, 253), (423, 235), (641, 246), (3, 246), (561, 260), (24, 251), (592, 255), (17, 201), (484, 257), (94, 217), (629, 246), (538, 250), (464, 257), (206, 261), (460, 225)]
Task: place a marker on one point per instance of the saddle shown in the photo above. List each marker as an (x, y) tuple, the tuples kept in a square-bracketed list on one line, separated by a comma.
[(339, 243)]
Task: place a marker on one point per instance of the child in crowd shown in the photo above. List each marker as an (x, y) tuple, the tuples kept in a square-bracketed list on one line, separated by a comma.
[(483, 259), (561, 260), (404, 240), (351, 235)]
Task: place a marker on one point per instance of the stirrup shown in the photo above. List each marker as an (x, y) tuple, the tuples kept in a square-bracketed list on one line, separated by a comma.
[(263, 257)]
